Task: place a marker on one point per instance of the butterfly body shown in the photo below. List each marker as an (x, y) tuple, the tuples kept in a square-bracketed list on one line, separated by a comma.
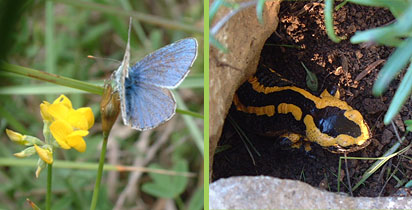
[(146, 100)]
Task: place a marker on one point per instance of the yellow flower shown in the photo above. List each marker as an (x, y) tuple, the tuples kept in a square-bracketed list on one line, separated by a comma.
[(67, 137), (50, 111), (69, 125), (45, 154)]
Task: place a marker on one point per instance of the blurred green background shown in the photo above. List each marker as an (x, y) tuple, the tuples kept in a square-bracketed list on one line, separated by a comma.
[(57, 36)]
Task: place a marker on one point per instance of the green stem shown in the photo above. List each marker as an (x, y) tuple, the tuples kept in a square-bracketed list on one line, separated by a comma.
[(179, 203), (99, 173), (190, 113), (53, 78), (49, 186)]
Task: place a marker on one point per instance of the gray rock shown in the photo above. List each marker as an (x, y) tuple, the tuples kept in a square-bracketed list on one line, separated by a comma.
[(262, 192)]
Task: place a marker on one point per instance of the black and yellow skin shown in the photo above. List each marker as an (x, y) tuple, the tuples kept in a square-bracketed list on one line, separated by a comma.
[(270, 105)]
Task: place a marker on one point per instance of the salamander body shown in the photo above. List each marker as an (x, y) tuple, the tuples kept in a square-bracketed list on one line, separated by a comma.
[(267, 104)]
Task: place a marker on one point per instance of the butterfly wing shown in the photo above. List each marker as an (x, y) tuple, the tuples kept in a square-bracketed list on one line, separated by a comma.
[(168, 66), (147, 106), (122, 72)]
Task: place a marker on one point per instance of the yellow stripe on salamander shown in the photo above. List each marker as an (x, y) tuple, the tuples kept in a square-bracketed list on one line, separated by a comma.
[(320, 103), (264, 110), (285, 108)]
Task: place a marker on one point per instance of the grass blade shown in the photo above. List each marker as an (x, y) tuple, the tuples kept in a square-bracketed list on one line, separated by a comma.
[(329, 21), (191, 124), (393, 66), (401, 95)]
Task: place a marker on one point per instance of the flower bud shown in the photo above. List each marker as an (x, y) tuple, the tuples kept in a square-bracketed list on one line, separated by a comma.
[(109, 108), (17, 137), (32, 204), (45, 153), (40, 165), (25, 153)]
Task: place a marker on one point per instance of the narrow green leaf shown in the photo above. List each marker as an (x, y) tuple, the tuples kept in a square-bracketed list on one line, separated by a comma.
[(341, 5), (328, 12), (403, 23), (65, 81), (387, 156), (393, 66), (408, 124), (194, 130), (397, 7), (214, 8), (217, 44), (259, 10), (196, 201), (40, 89), (382, 35), (311, 79), (401, 95), (409, 184)]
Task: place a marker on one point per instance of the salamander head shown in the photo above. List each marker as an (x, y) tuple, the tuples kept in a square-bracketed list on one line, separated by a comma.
[(337, 126)]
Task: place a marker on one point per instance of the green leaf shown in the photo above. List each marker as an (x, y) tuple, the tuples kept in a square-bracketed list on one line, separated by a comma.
[(393, 66), (213, 9), (401, 95), (397, 7), (194, 130), (311, 79), (382, 35), (408, 124), (196, 202), (165, 186), (403, 23), (217, 44), (409, 184), (329, 21), (259, 10)]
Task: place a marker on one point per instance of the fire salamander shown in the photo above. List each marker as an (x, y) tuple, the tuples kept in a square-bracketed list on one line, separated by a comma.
[(269, 105)]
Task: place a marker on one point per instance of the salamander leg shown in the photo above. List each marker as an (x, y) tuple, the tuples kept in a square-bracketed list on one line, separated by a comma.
[(291, 140)]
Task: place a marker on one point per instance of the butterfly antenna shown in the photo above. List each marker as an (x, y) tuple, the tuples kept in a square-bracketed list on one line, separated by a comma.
[(127, 54), (100, 58)]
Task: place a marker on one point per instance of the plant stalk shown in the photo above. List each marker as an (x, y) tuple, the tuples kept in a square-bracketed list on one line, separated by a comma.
[(99, 173), (49, 186)]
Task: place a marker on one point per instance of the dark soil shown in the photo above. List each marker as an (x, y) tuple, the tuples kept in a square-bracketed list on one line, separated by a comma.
[(301, 26)]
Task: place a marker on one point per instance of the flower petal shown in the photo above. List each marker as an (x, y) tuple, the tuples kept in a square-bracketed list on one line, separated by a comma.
[(60, 130), (44, 107), (62, 99), (88, 114), (45, 154), (77, 120), (58, 111), (77, 142), (79, 133)]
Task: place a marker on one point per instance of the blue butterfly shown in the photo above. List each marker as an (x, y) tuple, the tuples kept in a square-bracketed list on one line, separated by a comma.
[(146, 101)]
